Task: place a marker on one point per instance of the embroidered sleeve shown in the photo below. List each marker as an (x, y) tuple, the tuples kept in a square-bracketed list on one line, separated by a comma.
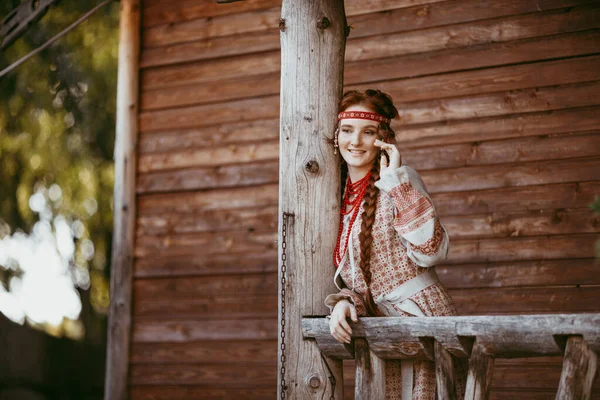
[(347, 294), (415, 219)]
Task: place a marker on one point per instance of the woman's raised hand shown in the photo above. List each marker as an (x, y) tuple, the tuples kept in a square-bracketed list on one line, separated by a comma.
[(393, 155), (338, 325)]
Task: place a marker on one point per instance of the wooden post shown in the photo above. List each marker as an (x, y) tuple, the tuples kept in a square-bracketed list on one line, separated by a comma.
[(444, 373), (312, 61), (479, 380), (579, 370), (119, 324), (370, 373)]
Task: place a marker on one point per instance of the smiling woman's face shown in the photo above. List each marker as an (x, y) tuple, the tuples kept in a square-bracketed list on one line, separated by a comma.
[(356, 141)]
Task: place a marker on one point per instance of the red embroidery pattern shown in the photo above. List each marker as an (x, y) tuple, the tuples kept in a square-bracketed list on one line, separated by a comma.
[(363, 115), (414, 209), (430, 247)]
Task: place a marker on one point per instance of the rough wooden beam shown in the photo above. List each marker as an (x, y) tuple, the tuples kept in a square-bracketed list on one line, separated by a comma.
[(312, 60), (370, 373), (119, 325), (479, 380), (444, 373), (579, 370)]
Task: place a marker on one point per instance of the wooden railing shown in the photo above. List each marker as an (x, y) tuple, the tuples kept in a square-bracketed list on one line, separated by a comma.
[(481, 339)]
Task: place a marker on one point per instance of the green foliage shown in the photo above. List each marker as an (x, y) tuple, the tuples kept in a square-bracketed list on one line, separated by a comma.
[(57, 127)]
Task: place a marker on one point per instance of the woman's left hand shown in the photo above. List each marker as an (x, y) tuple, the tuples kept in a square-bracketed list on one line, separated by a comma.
[(393, 155)]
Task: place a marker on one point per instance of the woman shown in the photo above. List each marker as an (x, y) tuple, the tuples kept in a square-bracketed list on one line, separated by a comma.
[(385, 259)]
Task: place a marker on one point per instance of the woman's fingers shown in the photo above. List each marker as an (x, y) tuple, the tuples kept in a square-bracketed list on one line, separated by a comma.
[(340, 330)]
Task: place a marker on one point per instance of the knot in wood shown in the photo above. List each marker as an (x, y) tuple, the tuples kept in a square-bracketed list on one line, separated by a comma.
[(312, 166), (323, 23), (282, 24), (314, 381)]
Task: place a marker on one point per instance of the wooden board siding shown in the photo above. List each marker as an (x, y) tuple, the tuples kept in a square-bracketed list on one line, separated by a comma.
[(500, 107)]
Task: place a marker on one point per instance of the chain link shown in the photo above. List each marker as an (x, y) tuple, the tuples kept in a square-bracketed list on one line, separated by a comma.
[(283, 291)]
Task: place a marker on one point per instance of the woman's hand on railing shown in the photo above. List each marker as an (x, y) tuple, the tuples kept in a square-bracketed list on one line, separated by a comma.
[(338, 325)]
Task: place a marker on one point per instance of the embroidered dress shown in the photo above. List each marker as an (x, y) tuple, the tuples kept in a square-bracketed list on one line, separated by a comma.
[(408, 240)]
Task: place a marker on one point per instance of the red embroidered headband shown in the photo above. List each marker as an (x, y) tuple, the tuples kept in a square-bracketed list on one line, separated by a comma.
[(363, 115)]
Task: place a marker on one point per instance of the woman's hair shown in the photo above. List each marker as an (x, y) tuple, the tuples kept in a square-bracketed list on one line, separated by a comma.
[(381, 103)]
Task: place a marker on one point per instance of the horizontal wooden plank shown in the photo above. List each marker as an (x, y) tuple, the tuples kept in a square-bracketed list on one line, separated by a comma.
[(542, 197), (503, 103), (210, 156), (165, 12), (236, 175), (254, 196), (520, 273), (206, 308), (210, 114), (522, 248), (232, 375), (201, 392), (247, 219), (202, 244), (212, 352), (490, 80), (536, 148), (506, 175), (164, 330), (208, 264), (526, 300), (211, 27), (532, 223), (242, 285), (229, 135), (505, 127)]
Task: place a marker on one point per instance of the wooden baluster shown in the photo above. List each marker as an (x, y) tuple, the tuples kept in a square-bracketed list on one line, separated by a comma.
[(579, 370), (444, 373), (370, 373), (479, 380)]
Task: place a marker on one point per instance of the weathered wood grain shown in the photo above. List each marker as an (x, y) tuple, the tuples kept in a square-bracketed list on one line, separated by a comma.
[(200, 392), (243, 197), (479, 380), (210, 156), (204, 374), (526, 300), (217, 307), (246, 219), (444, 373), (311, 84), (579, 370), (370, 373), (214, 352), (208, 264), (505, 127), (496, 336), (124, 212), (236, 175), (520, 273), (168, 330), (511, 150), (228, 135), (205, 244), (550, 222)]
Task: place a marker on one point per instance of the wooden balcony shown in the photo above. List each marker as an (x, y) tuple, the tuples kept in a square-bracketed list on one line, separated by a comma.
[(481, 339)]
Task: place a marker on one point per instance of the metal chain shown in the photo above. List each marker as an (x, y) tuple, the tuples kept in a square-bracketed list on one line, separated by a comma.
[(283, 291)]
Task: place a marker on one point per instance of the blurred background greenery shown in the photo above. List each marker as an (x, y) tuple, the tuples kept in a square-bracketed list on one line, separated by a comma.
[(57, 129)]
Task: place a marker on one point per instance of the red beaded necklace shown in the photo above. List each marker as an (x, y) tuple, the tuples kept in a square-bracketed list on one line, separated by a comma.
[(357, 189)]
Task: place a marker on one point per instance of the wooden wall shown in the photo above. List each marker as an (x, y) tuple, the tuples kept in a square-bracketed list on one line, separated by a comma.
[(500, 104)]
